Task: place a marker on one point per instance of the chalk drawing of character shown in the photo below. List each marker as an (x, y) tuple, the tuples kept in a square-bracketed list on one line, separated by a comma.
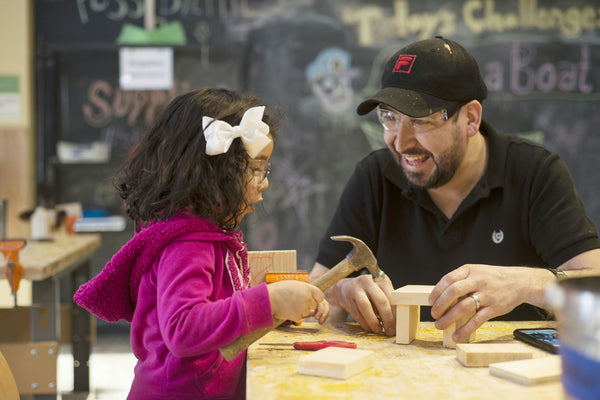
[(330, 76)]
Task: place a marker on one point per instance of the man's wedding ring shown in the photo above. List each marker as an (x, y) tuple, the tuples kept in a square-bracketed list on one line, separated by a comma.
[(476, 299)]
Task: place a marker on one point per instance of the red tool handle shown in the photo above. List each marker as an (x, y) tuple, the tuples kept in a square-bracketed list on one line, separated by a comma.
[(321, 344)]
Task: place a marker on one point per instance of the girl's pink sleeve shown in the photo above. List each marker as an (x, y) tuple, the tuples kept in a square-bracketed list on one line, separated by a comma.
[(197, 313)]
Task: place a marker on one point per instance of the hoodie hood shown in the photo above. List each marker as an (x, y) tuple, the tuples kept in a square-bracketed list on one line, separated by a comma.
[(112, 294)]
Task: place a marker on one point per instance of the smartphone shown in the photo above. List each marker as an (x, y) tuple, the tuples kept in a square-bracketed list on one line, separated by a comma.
[(542, 338)]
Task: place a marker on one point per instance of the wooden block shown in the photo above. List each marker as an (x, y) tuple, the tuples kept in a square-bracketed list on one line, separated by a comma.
[(484, 354), (336, 362), (262, 262), (448, 342), (529, 372), (407, 323), (417, 295)]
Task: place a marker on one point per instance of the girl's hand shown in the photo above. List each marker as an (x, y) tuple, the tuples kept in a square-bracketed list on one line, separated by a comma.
[(294, 300)]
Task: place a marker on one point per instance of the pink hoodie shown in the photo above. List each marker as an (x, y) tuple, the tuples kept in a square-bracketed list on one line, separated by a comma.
[(183, 285)]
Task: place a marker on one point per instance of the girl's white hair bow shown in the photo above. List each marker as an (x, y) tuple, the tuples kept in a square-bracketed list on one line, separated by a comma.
[(254, 133)]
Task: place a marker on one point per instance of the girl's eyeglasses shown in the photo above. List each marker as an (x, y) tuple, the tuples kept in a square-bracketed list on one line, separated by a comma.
[(261, 173)]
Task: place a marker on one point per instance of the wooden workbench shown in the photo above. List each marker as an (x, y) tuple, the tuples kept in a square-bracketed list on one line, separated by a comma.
[(43, 259), (421, 370), (64, 259)]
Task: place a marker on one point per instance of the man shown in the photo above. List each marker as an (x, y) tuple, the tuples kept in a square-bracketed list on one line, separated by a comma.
[(489, 219)]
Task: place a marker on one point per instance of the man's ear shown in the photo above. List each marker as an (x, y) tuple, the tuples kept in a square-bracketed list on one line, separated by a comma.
[(473, 112)]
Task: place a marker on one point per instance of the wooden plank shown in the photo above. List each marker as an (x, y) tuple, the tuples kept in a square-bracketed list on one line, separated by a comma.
[(417, 295), (336, 362), (262, 262), (529, 372), (484, 354)]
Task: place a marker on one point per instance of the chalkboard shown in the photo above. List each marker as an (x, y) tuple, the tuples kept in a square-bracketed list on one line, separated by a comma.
[(317, 61)]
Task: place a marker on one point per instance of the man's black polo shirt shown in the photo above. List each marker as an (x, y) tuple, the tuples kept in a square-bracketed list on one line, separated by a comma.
[(524, 211)]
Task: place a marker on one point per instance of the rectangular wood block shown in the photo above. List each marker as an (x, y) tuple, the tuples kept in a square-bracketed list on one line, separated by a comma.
[(336, 362), (529, 372), (484, 354), (262, 262), (448, 342), (417, 295), (407, 323)]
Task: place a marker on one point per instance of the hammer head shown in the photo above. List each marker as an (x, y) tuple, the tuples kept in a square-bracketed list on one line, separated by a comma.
[(361, 256)]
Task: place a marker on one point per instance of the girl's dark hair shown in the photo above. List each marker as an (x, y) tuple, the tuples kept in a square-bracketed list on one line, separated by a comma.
[(169, 170)]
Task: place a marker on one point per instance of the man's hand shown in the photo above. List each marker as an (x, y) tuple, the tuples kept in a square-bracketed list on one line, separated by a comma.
[(499, 289), (367, 301)]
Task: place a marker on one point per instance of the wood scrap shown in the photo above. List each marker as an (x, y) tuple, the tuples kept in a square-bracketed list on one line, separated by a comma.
[(336, 362), (529, 372), (484, 354)]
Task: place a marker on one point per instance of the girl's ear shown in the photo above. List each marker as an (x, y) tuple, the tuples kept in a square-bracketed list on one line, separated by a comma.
[(473, 111)]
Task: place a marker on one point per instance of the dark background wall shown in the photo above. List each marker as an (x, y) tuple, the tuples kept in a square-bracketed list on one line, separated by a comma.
[(316, 60)]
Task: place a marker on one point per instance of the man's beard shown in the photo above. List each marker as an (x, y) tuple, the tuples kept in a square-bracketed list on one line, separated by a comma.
[(446, 165)]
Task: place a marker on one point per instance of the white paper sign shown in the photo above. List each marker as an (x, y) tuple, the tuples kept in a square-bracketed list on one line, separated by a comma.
[(146, 68)]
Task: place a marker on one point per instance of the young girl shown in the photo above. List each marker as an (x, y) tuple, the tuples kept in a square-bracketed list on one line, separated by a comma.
[(182, 280)]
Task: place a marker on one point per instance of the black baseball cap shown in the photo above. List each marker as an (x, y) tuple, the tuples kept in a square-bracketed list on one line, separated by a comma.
[(427, 76)]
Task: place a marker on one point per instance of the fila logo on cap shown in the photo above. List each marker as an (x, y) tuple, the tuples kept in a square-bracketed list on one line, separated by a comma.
[(404, 63)]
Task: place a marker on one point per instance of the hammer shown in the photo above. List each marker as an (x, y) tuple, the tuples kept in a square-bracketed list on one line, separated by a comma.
[(359, 257)]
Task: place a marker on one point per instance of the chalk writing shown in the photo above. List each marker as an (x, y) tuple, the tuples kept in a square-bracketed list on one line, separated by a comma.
[(527, 75), (115, 10), (105, 102), (560, 75), (479, 16), (374, 24), (118, 10)]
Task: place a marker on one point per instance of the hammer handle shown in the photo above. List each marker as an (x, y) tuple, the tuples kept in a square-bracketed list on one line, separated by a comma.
[(331, 277), (324, 282)]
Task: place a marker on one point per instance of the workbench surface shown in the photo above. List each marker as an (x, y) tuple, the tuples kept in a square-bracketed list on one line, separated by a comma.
[(421, 370), (42, 259)]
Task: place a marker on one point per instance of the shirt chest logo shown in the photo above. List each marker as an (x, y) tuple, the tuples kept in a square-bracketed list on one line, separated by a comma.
[(497, 236)]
